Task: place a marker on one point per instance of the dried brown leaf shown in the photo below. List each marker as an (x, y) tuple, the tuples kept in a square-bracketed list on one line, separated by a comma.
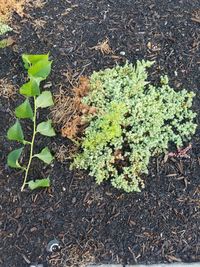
[(68, 112)]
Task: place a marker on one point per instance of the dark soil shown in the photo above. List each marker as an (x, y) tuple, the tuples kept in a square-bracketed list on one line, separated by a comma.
[(98, 223)]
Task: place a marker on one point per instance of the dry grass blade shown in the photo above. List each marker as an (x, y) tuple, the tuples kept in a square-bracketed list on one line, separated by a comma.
[(38, 24), (81, 255), (104, 47), (79, 258), (68, 10), (196, 16), (68, 111), (61, 108), (7, 90), (39, 3), (9, 6), (63, 153)]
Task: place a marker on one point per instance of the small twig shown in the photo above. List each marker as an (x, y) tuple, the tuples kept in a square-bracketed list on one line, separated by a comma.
[(196, 20), (181, 152)]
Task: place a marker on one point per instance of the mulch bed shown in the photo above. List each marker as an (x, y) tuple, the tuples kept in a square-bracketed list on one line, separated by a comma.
[(98, 223)]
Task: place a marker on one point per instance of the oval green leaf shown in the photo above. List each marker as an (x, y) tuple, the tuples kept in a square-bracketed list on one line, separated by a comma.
[(32, 59), (39, 183), (15, 132), (24, 111), (40, 69), (45, 155), (45, 128), (13, 157), (44, 100), (31, 88)]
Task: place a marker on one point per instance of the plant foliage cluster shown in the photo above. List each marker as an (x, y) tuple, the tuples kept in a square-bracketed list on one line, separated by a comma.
[(4, 28), (134, 120), (38, 67)]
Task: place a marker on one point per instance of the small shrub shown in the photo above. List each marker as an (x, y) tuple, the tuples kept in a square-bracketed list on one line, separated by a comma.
[(134, 120), (38, 67)]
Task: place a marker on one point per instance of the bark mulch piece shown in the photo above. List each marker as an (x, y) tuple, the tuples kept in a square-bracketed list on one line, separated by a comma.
[(98, 223)]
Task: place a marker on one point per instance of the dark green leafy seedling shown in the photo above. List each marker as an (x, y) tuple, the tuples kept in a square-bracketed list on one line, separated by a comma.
[(38, 67)]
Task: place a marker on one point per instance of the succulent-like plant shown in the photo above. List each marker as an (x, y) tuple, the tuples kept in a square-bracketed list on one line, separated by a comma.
[(39, 68), (134, 121)]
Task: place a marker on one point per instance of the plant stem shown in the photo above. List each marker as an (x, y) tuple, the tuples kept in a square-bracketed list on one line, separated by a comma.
[(26, 142), (32, 144)]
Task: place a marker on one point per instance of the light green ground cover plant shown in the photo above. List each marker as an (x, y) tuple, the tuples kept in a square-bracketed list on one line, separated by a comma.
[(6, 42), (3, 43), (38, 67), (4, 28), (135, 121)]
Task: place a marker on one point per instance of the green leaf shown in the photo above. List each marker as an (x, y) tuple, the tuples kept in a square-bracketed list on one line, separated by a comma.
[(44, 100), (31, 88), (45, 155), (45, 128), (13, 157), (24, 111), (32, 59), (40, 69), (39, 183), (15, 132)]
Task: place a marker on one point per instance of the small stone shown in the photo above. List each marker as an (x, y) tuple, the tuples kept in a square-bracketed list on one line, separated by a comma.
[(47, 85), (73, 200), (33, 229), (122, 53)]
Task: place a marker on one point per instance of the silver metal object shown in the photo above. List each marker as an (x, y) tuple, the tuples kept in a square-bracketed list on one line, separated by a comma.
[(53, 246)]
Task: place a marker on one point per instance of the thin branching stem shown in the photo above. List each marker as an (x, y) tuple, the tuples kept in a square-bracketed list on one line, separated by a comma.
[(31, 144)]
